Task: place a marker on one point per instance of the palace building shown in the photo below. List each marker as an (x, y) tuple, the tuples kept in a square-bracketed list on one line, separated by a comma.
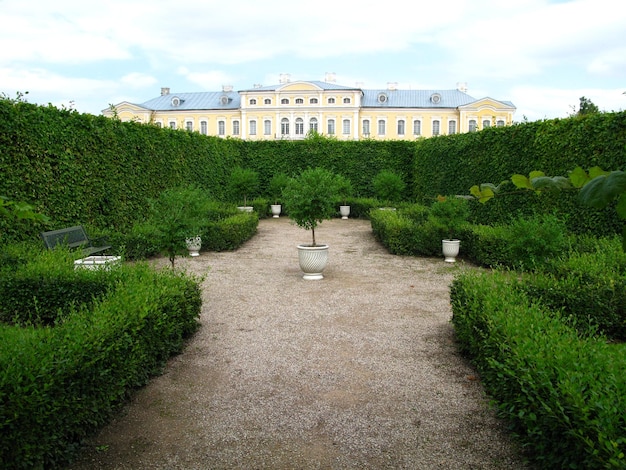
[(290, 110)]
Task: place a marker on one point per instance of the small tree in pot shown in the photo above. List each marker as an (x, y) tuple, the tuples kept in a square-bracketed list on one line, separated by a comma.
[(450, 214), (243, 182), (344, 191), (310, 199), (275, 189)]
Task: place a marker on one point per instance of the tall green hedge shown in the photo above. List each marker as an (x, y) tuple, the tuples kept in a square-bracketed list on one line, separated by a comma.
[(80, 168)]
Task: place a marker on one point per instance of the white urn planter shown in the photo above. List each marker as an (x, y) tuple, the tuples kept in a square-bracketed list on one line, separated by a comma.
[(193, 245), (245, 208), (276, 208), (313, 260), (344, 211), (450, 250)]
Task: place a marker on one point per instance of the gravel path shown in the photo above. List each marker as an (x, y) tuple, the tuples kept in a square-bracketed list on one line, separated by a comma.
[(356, 371)]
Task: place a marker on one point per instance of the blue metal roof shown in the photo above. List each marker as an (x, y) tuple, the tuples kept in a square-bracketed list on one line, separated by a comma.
[(382, 98), (227, 100), (415, 98)]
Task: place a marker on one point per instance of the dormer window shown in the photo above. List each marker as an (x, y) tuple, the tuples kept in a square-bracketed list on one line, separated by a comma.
[(435, 98), (176, 101), (382, 98)]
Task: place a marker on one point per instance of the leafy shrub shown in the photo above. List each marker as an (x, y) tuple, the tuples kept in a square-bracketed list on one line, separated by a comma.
[(231, 232), (394, 231), (243, 183), (60, 384), (565, 395), (451, 214), (388, 186), (487, 245)]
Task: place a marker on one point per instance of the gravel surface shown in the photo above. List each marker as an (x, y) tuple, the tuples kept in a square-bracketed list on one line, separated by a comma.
[(356, 371)]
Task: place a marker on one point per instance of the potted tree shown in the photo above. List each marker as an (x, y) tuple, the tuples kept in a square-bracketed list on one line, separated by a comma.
[(310, 199), (179, 214), (450, 214), (344, 191), (243, 182), (278, 182)]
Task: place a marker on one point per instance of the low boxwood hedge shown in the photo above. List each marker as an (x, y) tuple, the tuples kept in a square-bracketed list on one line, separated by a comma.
[(563, 393), (59, 384)]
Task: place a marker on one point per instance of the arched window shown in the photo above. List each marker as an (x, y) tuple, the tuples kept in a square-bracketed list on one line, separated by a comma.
[(284, 101), (203, 127), (452, 127), (299, 101), (346, 101), (253, 127), (472, 125), (221, 128), (500, 123), (366, 127), (313, 101), (267, 101), (331, 126), (331, 100), (486, 123), (253, 101), (346, 126), (235, 127), (267, 127), (284, 126), (401, 126), (299, 126), (313, 124), (189, 126), (382, 127)]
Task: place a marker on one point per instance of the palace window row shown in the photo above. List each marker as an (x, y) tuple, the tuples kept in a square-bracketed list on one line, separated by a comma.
[(331, 126), (286, 101)]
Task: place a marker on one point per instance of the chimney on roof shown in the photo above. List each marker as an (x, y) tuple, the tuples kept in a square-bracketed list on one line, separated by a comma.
[(165, 91), (392, 86), (227, 88), (330, 77), (462, 87), (285, 78)]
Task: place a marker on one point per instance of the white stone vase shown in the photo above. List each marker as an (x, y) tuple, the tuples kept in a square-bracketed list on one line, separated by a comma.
[(344, 211), (276, 208), (450, 249), (193, 245), (313, 260)]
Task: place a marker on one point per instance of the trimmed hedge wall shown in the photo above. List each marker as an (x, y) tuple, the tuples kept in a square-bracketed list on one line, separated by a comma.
[(565, 394), (60, 384)]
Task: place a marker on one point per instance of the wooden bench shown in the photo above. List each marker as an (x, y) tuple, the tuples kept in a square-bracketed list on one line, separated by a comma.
[(73, 237)]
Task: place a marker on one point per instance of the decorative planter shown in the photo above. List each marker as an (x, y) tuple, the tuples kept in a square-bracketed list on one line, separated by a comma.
[(344, 211), (97, 262), (276, 210), (246, 208), (450, 249), (313, 260), (193, 245)]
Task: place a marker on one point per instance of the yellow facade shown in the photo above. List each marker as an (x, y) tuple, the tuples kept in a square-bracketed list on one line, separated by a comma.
[(291, 110)]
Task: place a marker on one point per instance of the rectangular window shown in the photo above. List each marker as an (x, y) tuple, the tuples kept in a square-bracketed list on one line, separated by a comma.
[(436, 127), (472, 125), (486, 123), (366, 127), (172, 124), (267, 127), (203, 128), (452, 127), (235, 127), (299, 126), (417, 127), (382, 127), (221, 128), (346, 126), (189, 126), (500, 123), (401, 127), (331, 127), (284, 126), (252, 127)]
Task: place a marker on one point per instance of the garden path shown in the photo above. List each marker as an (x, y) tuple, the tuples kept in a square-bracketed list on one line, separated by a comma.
[(357, 371)]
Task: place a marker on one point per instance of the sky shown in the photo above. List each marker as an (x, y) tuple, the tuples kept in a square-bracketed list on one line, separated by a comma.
[(542, 55)]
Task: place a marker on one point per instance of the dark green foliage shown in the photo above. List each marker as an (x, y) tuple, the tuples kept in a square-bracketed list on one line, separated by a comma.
[(564, 394), (310, 198), (58, 385), (230, 233), (42, 288), (277, 183), (451, 214), (243, 183), (388, 186)]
